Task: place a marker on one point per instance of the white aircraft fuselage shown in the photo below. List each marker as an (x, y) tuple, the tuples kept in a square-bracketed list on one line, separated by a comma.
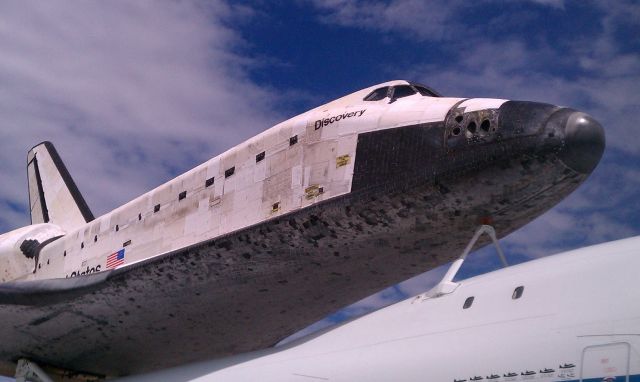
[(297, 222), (568, 317)]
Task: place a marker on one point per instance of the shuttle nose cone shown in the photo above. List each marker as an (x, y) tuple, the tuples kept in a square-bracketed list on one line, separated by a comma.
[(575, 138), (583, 142)]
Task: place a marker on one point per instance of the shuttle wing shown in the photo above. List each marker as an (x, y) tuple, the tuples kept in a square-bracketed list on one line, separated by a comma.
[(168, 312), (176, 308)]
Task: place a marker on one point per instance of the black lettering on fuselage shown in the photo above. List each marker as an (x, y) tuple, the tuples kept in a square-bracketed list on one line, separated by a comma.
[(87, 271), (327, 121)]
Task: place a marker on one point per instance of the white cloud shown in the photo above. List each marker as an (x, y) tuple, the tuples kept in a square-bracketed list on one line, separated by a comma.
[(421, 19), (131, 93), (434, 20)]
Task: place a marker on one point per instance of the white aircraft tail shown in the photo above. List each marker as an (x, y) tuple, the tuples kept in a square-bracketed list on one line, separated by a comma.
[(53, 195)]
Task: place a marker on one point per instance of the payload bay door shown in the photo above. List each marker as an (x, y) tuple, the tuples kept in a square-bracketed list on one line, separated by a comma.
[(608, 361)]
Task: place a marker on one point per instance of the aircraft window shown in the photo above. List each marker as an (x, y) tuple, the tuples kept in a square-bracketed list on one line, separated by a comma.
[(117, 228), (209, 182), (182, 195), (293, 140), (95, 239), (126, 243), (260, 157), (139, 216), (230, 172), (467, 303), (156, 208), (517, 293), (424, 91), (378, 94), (403, 91)]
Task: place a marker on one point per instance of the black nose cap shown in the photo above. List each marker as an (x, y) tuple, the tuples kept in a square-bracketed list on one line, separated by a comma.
[(583, 142)]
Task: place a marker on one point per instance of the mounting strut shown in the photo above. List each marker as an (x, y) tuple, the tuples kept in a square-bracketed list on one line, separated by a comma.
[(446, 285), (30, 371)]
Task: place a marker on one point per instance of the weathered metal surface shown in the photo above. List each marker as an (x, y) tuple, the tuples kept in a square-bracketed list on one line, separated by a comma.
[(248, 290), (317, 223)]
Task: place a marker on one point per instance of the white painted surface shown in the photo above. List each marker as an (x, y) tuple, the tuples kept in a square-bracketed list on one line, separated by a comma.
[(475, 104), (60, 204), (283, 179)]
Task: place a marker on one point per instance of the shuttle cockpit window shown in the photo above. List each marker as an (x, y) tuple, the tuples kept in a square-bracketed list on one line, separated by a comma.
[(425, 91), (378, 94), (402, 91)]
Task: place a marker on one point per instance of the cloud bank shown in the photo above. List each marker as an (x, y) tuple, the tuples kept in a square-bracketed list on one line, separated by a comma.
[(131, 93)]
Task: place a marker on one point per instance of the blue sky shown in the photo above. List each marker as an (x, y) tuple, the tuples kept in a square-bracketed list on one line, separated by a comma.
[(135, 93)]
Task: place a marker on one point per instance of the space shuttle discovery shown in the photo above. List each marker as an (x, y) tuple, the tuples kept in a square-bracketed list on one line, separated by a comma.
[(297, 222)]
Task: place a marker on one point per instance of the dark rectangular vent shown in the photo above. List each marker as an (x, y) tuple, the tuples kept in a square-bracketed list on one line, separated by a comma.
[(230, 172), (156, 208), (260, 157), (293, 140), (209, 182), (182, 195)]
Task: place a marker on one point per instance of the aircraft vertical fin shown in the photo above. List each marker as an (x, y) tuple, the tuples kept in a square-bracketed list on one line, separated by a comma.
[(53, 195)]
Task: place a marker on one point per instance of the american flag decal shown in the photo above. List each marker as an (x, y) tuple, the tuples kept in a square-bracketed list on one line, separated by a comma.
[(115, 259)]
